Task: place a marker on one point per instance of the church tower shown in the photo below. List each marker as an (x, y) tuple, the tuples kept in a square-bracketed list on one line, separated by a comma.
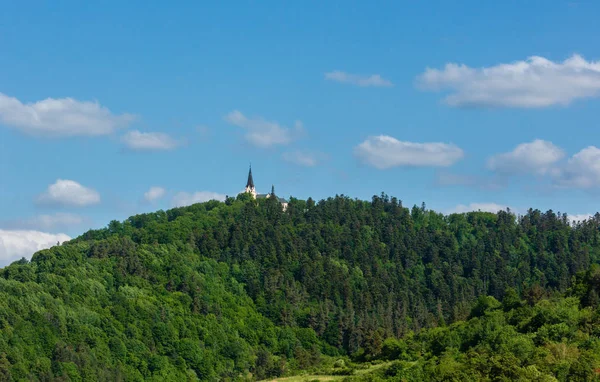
[(250, 189), (250, 184)]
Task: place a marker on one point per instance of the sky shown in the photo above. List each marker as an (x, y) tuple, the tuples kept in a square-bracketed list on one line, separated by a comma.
[(113, 108)]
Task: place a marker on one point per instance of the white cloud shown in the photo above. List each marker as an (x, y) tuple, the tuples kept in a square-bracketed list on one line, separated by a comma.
[(534, 83), (582, 170), (302, 158), (182, 199), (69, 193), (484, 207), (542, 158), (537, 157), (154, 193), (578, 217), (384, 152), (136, 140), (374, 80), (262, 133), (60, 117), (15, 244)]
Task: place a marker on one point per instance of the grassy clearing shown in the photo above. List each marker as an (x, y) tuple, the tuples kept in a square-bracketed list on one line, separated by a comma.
[(310, 378), (307, 378)]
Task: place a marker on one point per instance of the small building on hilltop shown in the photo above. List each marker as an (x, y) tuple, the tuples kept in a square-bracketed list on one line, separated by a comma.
[(251, 189)]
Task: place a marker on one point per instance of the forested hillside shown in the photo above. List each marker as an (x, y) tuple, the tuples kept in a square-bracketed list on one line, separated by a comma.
[(553, 339), (244, 290)]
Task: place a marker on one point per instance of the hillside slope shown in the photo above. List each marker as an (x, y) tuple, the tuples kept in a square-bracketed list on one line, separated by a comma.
[(244, 290)]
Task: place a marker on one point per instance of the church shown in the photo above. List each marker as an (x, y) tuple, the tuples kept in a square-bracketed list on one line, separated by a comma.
[(250, 189)]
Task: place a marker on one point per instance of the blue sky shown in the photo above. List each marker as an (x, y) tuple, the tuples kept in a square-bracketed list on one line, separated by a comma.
[(116, 108)]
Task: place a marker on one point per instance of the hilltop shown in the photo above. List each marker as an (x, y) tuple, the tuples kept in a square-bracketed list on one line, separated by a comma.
[(245, 290)]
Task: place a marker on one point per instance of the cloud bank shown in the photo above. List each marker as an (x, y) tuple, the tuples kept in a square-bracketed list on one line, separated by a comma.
[(533, 83), (60, 117), (15, 244), (543, 158)]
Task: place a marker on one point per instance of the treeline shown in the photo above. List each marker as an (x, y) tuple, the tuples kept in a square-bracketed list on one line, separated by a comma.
[(244, 290)]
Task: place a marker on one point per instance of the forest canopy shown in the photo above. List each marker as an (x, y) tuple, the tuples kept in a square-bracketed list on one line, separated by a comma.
[(243, 290)]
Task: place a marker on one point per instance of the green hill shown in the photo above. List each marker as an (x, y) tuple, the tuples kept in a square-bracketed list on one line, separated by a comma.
[(242, 290)]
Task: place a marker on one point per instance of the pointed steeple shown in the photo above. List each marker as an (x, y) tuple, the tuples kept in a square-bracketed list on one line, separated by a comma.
[(250, 183), (272, 190)]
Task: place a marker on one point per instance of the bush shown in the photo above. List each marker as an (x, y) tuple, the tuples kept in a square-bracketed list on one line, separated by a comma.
[(339, 363)]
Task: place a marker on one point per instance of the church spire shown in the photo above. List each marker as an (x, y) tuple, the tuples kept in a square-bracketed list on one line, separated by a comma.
[(250, 183), (272, 190)]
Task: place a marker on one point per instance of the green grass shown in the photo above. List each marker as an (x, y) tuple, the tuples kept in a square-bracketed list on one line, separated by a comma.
[(307, 378), (311, 377)]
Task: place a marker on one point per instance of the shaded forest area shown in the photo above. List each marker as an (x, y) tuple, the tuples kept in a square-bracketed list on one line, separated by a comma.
[(553, 339)]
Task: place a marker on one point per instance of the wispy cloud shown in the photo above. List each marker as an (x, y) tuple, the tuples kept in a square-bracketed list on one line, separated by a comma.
[(185, 198), (137, 140), (384, 152), (56, 117), (69, 193), (154, 193), (262, 133), (374, 80), (57, 222), (533, 83), (303, 158)]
